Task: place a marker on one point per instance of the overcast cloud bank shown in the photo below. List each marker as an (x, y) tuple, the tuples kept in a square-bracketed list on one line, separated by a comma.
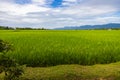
[(51, 14)]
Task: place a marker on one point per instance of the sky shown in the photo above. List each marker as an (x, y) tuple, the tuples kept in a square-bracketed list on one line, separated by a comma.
[(58, 13)]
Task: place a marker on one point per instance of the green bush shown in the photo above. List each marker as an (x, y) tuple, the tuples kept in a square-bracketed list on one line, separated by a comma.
[(9, 66)]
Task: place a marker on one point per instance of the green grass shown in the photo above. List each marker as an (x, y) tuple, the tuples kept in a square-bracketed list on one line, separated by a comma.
[(72, 72), (52, 47)]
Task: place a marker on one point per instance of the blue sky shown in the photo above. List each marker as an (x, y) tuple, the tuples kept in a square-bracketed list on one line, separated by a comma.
[(22, 1), (56, 3), (58, 13)]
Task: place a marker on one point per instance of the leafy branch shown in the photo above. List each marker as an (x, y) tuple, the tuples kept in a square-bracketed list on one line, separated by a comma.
[(8, 65)]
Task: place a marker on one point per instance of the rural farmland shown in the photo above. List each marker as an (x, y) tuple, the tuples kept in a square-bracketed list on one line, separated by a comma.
[(59, 39), (41, 48)]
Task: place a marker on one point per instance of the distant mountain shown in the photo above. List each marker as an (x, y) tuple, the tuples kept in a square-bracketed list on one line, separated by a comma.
[(104, 26)]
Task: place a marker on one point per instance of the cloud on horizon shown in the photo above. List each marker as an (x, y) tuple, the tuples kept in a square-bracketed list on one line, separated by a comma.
[(58, 13)]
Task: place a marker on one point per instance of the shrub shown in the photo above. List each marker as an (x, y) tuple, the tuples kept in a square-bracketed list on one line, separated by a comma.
[(9, 66)]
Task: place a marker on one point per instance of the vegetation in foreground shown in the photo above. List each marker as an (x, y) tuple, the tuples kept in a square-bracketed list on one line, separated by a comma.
[(52, 47), (8, 66), (73, 72)]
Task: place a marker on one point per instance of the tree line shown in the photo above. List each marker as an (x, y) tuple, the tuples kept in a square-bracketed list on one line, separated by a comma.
[(20, 28)]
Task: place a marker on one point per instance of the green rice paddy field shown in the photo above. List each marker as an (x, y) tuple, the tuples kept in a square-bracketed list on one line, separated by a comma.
[(55, 47)]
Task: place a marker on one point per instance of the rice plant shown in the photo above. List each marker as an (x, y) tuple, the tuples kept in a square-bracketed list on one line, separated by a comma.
[(55, 47)]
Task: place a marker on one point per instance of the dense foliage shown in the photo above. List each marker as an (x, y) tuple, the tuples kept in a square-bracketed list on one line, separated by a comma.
[(8, 65), (19, 28)]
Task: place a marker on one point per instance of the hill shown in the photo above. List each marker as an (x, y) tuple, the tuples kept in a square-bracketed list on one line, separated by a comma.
[(104, 26)]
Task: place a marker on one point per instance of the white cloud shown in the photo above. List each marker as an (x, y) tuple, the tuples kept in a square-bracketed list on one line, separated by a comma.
[(17, 9), (77, 12), (40, 2), (28, 20), (70, 0)]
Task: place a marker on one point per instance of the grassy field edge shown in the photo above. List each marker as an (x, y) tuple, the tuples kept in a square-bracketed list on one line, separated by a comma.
[(73, 72)]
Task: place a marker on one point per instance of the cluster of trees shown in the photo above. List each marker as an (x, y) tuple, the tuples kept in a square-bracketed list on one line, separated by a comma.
[(18, 28), (28, 28), (6, 28)]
